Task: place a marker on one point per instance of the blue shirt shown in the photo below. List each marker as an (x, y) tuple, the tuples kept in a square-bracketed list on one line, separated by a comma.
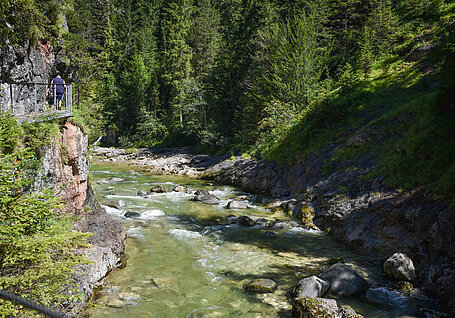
[(59, 84)]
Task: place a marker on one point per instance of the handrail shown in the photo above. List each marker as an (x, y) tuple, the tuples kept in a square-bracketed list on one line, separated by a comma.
[(30, 104), (29, 83), (30, 304)]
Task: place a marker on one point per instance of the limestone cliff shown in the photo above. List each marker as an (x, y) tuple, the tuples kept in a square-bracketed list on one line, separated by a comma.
[(65, 167), (31, 63)]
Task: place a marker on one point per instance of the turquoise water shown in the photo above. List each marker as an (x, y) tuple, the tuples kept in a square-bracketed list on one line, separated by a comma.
[(183, 262)]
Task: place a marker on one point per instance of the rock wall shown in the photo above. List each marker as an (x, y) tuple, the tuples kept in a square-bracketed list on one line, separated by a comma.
[(65, 168), (30, 62)]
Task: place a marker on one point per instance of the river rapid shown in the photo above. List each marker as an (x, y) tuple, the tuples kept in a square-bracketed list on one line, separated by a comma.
[(185, 260)]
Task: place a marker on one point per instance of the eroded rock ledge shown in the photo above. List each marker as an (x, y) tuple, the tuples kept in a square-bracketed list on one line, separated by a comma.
[(363, 214)]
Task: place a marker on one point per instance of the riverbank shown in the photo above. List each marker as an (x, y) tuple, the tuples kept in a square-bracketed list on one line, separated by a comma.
[(363, 214)]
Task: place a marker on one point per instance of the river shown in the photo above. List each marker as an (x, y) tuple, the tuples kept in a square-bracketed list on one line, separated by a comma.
[(185, 261)]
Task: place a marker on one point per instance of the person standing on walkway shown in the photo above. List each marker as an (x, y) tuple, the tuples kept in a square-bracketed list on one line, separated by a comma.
[(59, 89)]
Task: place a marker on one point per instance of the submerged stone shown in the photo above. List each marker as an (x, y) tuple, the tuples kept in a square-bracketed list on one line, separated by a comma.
[(261, 285), (130, 214), (115, 179), (246, 221)]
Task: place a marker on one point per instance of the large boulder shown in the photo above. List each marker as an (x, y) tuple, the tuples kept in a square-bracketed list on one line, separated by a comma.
[(400, 266), (308, 307), (344, 281), (311, 286), (158, 189), (261, 285), (234, 204), (207, 199)]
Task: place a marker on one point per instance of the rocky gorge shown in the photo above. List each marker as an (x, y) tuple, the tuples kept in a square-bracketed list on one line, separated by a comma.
[(362, 213)]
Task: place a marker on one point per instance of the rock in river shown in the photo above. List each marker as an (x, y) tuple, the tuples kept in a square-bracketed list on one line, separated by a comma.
[(307, 307), (261, 285), (344, 281), (180, 188), (400, 266), (158, 189), (207, 199), (199, 192), (234, 204), (142, 193), (117, 204), (132, 214), (246, 221), (314, 308), (311, 286)]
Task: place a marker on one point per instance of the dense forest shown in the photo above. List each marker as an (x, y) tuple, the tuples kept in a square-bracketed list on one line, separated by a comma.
[(277, 79)]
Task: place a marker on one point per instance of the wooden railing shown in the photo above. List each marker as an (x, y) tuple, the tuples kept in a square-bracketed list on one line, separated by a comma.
[(35, 101)]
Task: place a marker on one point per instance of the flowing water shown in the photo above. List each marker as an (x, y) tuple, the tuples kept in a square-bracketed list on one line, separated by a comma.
[(184, 263)]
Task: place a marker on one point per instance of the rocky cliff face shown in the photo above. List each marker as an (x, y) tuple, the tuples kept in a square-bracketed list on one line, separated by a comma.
[(28, 62), (65, 168)]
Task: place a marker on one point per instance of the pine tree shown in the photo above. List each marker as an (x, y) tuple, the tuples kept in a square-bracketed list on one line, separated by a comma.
[(175, 25)]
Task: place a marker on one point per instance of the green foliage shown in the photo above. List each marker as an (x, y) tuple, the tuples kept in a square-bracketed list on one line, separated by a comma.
[(37, 257), (366, 57), (20, 19)]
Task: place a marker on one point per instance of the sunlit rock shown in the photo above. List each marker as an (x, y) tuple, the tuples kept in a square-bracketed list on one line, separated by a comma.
[(261, 285), (400, 266)]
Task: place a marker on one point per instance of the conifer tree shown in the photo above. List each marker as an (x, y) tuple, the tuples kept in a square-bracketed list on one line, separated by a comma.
[(175, 25)]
